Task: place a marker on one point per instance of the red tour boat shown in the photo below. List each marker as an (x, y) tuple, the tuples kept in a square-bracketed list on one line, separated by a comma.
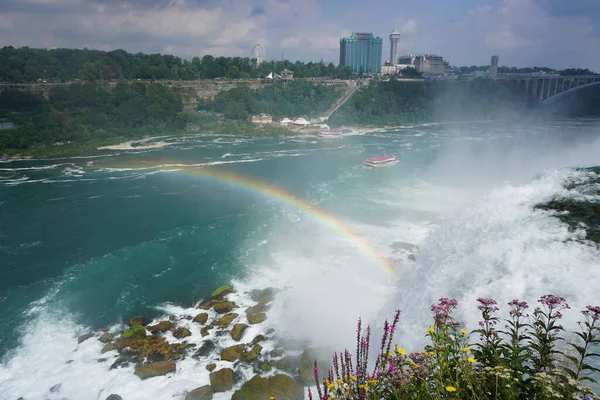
[(387, 160)]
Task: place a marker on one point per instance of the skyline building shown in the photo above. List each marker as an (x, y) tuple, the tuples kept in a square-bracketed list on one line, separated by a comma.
[(494, 67), (394, 39), (361, 51)]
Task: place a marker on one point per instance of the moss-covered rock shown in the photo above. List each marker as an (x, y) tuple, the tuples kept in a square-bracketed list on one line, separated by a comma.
[(83, 338), (137, 320), (276, 353), (256, 318), (289, 364), (106, 337), (204, 331), (206, 305), (238, 331), (108, 347), (155, 369), (201, 393), (282, 387), (265, 366), (211, 367), (201, 318), (221, 380), (232, 353), (221, 292), (252, 354), (136, 332), (181, 332), (260, 307), (162, 326), (225, 320), (223, 307), (258, 339)]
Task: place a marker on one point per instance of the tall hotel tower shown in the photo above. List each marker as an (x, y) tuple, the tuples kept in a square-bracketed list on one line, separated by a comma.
[(394, 39)]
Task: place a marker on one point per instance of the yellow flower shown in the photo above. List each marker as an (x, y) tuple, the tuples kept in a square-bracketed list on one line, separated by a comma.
[(466, 349), (450, 388), (401, 351), (464, 332), (339, 381), (430, 330), (331, 385), (272, 398), (363, 387), (352, 377), (471, 360), (372, 381), (389, 353)]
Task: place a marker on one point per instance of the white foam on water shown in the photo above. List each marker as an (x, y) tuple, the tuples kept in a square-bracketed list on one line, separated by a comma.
[(498, 246)]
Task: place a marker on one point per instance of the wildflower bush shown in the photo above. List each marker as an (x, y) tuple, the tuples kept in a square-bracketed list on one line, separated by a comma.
[(530, 357)]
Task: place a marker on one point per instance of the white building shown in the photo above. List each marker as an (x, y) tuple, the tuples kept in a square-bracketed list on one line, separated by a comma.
[(286, 122), (301, 122)]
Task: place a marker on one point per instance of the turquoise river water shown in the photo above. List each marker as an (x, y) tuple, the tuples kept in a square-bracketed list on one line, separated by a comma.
[(88, 246)]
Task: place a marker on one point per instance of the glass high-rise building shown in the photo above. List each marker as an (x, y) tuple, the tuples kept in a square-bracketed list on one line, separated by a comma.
[(362, 51)]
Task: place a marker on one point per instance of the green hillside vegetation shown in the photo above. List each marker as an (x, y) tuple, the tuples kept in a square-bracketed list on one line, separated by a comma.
[(397, 102), (27, 65), (281, 99), (82, 116)]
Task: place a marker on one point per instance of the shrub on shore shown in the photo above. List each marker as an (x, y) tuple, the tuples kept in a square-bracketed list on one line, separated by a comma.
[(532, 357)]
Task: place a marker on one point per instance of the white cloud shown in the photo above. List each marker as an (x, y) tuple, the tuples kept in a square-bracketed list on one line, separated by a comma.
[(521, 32)]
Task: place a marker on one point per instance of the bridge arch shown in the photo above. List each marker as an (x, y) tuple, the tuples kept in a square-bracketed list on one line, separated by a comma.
[(571, 90)]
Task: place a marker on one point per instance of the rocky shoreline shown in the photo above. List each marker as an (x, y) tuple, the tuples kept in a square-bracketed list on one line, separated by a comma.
[(155, 348)]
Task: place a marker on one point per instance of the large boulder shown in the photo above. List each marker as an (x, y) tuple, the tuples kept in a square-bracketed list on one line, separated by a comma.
[(201, 393), (307, 363), (223, 307), (260, 307), (252, 354), (221, 292), (136, 332), (162, 326), (232, 353), (225, 320), (264, 296), (201, 318), (180, 333), (221, 380), (83, 338), (205, 349), (106, 338), (256, 318), (108, 347), (204, 331), (155, 369), (114, 397), (138, 320), (282, 387), (289, 364), (238, 331)]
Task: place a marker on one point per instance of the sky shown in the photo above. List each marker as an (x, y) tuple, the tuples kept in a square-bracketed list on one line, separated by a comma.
[(553, 33)]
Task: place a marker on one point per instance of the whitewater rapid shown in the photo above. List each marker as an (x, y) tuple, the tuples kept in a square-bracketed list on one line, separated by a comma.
[(462, 224)]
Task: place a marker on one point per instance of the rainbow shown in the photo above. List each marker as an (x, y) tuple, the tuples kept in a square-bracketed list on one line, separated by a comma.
[(277, 193)]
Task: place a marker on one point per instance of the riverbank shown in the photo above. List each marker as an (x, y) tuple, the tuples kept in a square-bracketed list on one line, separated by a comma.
[(127, 144)]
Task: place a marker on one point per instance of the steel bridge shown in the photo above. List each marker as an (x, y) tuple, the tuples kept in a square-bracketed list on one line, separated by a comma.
[(548, 88)]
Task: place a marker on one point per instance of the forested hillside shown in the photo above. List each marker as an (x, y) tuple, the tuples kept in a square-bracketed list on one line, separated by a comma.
[(88, 113), (396, 102), (281, 99), (26, 65)]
